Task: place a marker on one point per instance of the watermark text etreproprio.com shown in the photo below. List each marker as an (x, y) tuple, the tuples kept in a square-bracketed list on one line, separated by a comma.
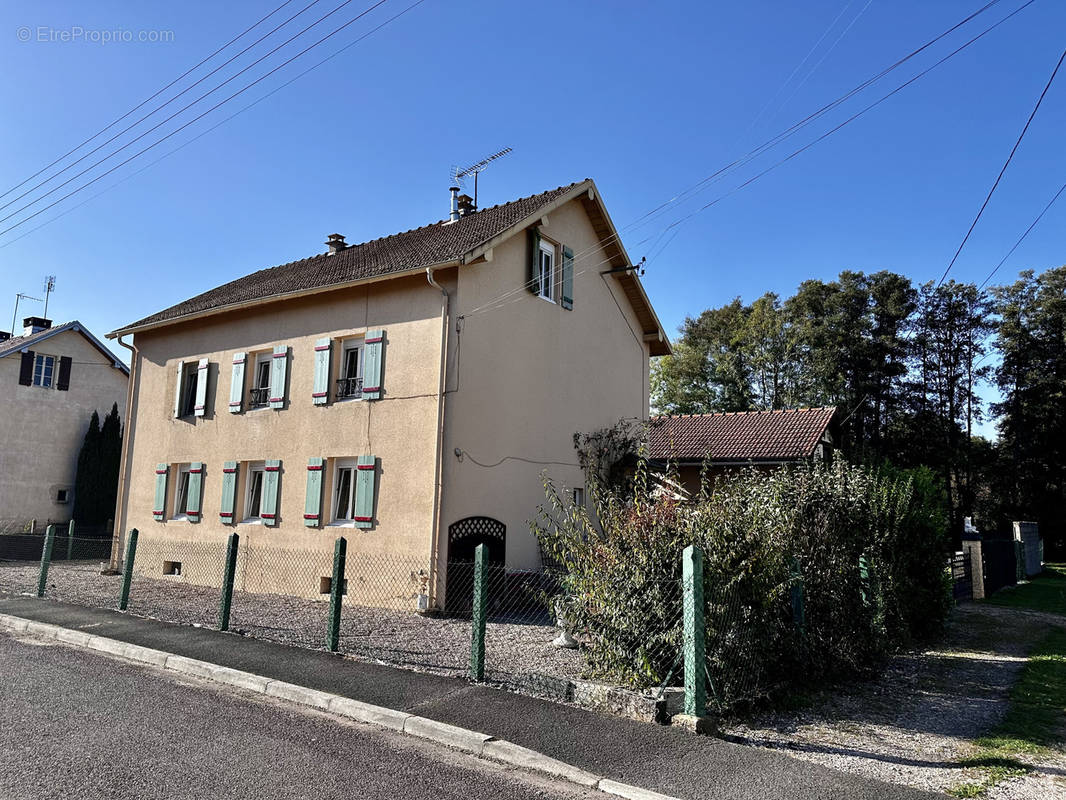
[(78, 33)]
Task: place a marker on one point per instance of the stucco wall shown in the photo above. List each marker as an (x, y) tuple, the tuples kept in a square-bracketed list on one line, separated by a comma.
[(400, 429), (41, 430), (529, 374)]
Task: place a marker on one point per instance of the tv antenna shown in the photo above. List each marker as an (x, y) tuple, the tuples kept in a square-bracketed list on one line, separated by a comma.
[(459, 175), (49, 287), (20, 296)]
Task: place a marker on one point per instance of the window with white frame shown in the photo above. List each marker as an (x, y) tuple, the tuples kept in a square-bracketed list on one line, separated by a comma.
[(344, 491), (253, 493), (43, 370), (350, 379), (260, 391), (188, 390), (181, 492), (547, 270)]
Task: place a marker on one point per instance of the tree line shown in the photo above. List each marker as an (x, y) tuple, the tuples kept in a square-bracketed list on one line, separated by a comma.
[(904, 365)]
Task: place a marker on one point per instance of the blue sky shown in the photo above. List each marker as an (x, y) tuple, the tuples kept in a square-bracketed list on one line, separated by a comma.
[(647, 98)]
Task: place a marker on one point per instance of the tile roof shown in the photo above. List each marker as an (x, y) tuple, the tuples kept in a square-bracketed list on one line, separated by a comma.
[(16, 343), (437, 243), (740, 435)]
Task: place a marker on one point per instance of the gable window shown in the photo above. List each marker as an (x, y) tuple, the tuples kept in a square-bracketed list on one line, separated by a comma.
[(253, 501), (546, 265), (259, 395), (43, 370), (350, 382), (181, 493), (344, 492)]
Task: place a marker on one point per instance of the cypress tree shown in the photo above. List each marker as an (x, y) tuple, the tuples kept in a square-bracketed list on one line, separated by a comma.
[(87, 480), (110, 456)]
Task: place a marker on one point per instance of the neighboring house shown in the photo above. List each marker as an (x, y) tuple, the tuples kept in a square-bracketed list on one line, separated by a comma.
[(406, 393), (731, 440), (52, 379)]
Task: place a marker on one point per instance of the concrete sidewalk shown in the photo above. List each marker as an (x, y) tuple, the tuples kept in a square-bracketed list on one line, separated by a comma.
[(662, 759)]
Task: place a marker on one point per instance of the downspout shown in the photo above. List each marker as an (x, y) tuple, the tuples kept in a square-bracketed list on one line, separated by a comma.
[(119, 523), (439, 466)]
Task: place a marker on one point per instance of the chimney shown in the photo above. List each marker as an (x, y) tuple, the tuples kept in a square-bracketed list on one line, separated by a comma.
[(35, 325), (336, 243), (454, 216), (466, 205)]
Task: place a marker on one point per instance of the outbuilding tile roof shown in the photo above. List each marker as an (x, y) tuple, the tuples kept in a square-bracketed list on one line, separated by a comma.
[(739, 436), (437, 243)]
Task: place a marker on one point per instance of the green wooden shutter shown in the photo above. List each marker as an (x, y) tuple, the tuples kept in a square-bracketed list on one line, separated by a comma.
[(373, 364), (313, 500), (201, 388), (568, 277), (159, 510), (177, 389), (229, 492), (196, 483), (320, 394), (268, 505), (278, 369), (236, 386), (365, 480), (534, 261)]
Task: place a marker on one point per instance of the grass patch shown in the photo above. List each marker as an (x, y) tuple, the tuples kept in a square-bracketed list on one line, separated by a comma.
[(1033, 722), (1045, 592)]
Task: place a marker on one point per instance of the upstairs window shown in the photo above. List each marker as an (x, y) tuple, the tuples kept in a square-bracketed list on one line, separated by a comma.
[(546, 265), (43, 370), (259, 395), (350, 381), (189, 379)]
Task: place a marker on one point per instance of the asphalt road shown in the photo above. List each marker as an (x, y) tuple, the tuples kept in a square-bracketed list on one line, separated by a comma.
[(73, 724)]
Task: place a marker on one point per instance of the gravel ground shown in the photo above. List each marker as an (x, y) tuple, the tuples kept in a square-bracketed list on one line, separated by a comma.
[(431, 644), (914, 723)]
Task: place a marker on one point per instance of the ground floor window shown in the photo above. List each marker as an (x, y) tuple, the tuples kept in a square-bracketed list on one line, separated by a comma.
[(181, 492), (254, 495), (344, 491)]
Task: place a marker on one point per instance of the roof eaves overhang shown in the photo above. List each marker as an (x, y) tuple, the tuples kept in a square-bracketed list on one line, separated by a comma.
[(76, 327)]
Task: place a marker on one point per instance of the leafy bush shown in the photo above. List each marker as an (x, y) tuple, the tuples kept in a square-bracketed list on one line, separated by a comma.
[(762, 533)]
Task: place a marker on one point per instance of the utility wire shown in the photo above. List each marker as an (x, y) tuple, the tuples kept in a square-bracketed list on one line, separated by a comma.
[(1006, 164), (150, 99), (157, 109), (334, 32), (1023, 236)]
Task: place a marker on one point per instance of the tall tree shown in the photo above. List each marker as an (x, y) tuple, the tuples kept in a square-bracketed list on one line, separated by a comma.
[(87, 482), (110, 458)]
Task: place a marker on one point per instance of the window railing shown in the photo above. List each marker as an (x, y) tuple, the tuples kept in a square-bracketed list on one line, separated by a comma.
[(259, 396), (349, 387)]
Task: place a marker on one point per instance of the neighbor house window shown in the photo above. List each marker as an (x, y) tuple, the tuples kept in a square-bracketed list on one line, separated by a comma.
[(62, 496), (579, 497), (181, 492), (260, 392), (547, 269), (188, 384), (253, 499), (344, 492), (350, 382), (43, 369)]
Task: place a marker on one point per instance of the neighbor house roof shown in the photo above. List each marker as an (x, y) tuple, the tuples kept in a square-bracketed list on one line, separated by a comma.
[(437, 244), (741, 436), (20, 343)]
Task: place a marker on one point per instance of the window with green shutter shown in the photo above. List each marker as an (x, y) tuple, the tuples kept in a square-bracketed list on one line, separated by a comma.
[(178, 387), (320, 392), (268, 510), (236, 386), (365, 489), (159, 510), (568, 277), (278, 371), (373, 364), (313, 498), (227, 511), (195, 494), (201, 388), (533, 278)]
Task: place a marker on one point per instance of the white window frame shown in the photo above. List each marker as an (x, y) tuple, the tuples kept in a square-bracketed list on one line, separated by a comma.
[(42, 363), (261, 358), (547, 287), (338, 465), (182, 477), (189, 378), (348, 345), (251, 468)]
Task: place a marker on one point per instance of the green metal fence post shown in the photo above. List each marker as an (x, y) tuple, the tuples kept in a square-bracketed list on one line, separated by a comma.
[(694, 632), (336, 595), (480, 606), (46, 559), (227, 583), (70, 540), (799, 614), (127, 570)]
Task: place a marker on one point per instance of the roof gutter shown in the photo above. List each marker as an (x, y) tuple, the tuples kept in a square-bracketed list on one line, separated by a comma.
[(119, 518), (438, 467)]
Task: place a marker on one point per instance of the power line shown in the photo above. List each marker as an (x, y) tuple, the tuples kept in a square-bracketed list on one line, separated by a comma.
[(1023, 236), (334, 32), (1006, 164), (148, 100)]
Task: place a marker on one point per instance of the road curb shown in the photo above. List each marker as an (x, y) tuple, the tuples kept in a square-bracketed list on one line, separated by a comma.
[(481, 745)]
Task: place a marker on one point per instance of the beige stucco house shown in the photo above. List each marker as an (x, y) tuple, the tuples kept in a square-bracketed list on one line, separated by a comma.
[(406, 393), (52, 379)]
